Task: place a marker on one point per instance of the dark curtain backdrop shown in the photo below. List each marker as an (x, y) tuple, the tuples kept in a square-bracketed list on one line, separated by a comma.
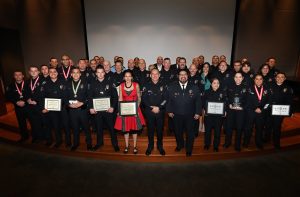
[(269, 28)]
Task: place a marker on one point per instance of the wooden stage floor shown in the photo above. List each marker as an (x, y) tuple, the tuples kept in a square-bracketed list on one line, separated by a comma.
[(290, 140)]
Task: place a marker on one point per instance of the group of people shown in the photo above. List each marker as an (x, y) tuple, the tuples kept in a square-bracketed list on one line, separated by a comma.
[(244, 99)]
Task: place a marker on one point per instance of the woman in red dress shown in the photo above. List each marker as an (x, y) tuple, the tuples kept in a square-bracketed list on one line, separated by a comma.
[(130, 91)]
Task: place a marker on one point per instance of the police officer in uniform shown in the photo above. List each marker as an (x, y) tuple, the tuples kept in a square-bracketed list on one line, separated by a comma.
[(167, 75), (15, 93), (64, 73), (108, 73), (86, 74), (142, 75), (184, 106), (154, 100), (237, 98), (52, 88), (76, 100), (280, 94), (32, 97), (257, 103), (213, 121), (118, 75), (195, 78), (101, 88)]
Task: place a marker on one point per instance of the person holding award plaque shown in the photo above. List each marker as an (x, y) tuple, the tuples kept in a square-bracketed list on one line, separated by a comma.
[(214, 100), (52, 94), (281, 98), (15, 93), (103, 100), (130, 119), (76, 101), (236, 95), (257, 103)]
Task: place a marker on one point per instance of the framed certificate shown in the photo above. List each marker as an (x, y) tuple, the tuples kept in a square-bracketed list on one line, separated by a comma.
[(101, 104), (215, 108), (281, 110), (128, 108), (53, 104)]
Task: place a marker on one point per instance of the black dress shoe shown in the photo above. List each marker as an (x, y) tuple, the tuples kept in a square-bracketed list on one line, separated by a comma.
[(20, 141), (260, 147), (162, 151), (206, 147), (89, 147), (237, 149), (97, 146), (48, 143), (68, 145), (277, 147), (148, 151), (177, 149), (216, 149), (188, 154), (35, 141), (226, 145), (116, 148), (57, 145), (73, 148)]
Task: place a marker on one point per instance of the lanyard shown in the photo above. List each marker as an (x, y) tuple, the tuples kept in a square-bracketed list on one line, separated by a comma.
[(66, 75), (20, 90), (75, 90), (259, 95), (33, 87)]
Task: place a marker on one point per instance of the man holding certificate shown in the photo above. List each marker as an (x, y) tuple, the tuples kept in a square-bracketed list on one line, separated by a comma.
[(184, 106), (52, 94), (102, 102), (76, 100), (281, 100)]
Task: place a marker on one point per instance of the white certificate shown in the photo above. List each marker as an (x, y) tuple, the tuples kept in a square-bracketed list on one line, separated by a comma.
[(127, 108), (216, 108), (53, 104), (101, 104), (280, 110)]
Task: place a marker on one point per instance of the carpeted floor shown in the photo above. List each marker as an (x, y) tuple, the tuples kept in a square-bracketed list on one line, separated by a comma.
[(29, 173)]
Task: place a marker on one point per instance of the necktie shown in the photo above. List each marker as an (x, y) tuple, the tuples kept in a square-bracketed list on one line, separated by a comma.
[(183, 87)]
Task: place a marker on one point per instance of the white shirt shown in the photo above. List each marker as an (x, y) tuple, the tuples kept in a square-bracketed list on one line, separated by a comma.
[(183, 84)]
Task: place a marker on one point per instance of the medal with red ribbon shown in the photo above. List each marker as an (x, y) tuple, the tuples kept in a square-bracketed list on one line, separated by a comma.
[(32, 87), (259, 95), (20, 90), (68, 72)]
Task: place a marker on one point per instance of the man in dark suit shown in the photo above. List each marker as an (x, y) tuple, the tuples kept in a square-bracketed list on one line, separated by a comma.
[(176, 65), (159, 63), (184, 106)]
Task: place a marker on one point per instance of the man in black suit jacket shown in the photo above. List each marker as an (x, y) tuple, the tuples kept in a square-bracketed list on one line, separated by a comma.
[(176, 65), (159, 63), (184, 106)]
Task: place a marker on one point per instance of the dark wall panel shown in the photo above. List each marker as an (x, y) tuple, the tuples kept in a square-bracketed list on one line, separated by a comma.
[(269, 28), (51, 28)]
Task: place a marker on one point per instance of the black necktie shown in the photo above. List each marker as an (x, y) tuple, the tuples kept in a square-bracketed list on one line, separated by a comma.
[(183, 87)]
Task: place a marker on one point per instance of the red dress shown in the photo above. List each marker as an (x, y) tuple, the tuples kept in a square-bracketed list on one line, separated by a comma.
[(130, 123)]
